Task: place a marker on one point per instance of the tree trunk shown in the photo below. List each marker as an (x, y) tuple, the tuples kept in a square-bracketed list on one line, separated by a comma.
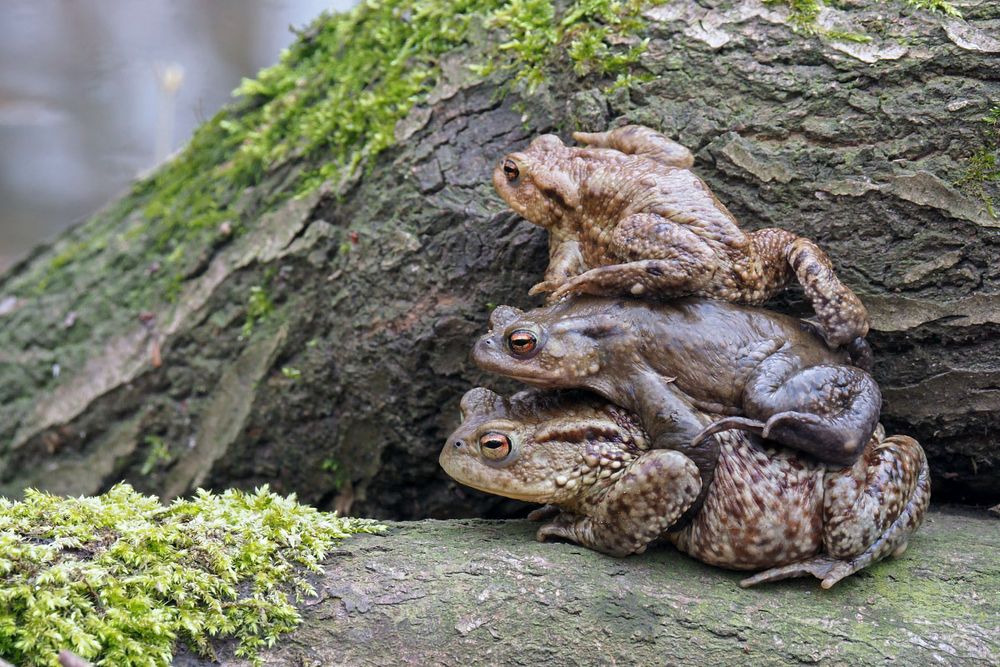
[(485, 593), (321, 344)]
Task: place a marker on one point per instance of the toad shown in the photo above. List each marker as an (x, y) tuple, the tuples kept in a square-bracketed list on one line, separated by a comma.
[(627, 216), (607, 490), (671, 361)]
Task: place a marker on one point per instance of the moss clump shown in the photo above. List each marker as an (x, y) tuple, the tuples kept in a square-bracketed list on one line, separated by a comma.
[(259, 308), (328, 107), (803, 15), (939, 6), (984, 165), (587, 31), (119, 578), (333, 101)]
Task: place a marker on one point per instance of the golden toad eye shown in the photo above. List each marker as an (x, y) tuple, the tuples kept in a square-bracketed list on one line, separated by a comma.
[(494, 446), (522, 342), (510, 170)]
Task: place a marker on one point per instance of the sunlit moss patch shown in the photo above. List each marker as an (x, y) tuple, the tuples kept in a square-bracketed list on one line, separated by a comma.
[(120, 579)]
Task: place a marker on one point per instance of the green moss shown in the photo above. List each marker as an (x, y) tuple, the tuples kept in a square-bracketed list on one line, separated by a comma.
[(803, 15), (587, 31), (119, 579), (983, 168), (157, 453), (331, 104), (939, 6), (847, 36), (259, 308)]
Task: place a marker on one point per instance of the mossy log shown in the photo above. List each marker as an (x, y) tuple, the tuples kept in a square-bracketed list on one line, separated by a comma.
[(230, 325), (474, 592)]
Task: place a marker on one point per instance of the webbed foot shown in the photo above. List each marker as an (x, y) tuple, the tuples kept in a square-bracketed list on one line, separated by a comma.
[(792, 428), (830, 442), (543, 513), (561, 527), (543, 287), (829, 570), (728, 424)]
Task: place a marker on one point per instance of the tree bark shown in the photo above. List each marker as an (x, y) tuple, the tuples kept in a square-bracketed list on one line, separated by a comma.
[(345, 391), (479, 592)]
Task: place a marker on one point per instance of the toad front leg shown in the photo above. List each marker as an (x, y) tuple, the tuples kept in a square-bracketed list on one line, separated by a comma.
[(829, 411), (869, 512), (640, 140), (672, 423), (565, 262), (646, 498), (666, 259)]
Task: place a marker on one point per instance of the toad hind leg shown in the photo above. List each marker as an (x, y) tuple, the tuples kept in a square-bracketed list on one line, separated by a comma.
[(832, 570), (635, 509), (870, 511), (640, 140), (839, 310), (660, 258), (829, 411), (841, 315)]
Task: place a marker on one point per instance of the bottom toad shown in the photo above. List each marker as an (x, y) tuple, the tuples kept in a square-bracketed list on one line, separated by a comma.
[(604, 488)]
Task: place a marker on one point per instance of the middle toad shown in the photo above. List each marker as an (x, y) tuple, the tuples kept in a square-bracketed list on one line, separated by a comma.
[(626, 216), (668, 361)]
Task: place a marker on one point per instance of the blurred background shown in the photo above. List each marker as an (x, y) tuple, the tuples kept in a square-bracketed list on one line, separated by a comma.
[(94, 93)]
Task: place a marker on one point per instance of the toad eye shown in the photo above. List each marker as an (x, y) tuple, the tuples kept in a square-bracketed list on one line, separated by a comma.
[(494, 446), (522, 342), (510, 170)]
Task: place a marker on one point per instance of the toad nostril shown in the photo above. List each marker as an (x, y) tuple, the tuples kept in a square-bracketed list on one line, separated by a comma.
[(457, 443)]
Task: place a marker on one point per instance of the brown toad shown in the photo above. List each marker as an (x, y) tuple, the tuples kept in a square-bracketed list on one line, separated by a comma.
[(607, 490), (626, 216), (671, 361)]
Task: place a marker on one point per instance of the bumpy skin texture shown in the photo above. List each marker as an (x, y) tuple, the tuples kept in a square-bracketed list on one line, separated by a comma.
[(672, 363), (626, 216), (589, 457), (767, 508)]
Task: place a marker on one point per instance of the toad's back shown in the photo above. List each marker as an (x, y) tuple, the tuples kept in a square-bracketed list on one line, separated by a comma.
[(710, 347)]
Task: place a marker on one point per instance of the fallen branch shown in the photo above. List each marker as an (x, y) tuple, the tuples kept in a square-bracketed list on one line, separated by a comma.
[(485, 592)]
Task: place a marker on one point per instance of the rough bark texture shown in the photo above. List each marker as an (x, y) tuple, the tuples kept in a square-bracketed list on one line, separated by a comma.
[(485, 593), (380, 285)]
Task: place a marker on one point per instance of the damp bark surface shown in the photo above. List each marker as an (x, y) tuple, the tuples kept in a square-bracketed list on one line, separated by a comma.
[(475, 592), (321, 345)]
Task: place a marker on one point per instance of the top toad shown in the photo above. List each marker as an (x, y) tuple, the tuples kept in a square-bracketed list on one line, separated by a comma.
[(626, 216)]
